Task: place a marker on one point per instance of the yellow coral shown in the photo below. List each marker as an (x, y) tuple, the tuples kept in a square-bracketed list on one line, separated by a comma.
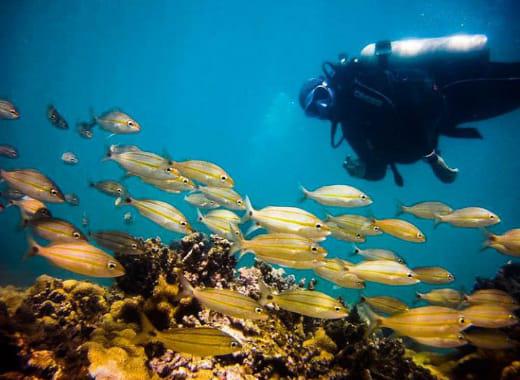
[(12, 297), (321, 340)]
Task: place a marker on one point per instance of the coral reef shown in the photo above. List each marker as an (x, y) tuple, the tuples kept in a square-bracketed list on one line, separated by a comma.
[(75, 329)]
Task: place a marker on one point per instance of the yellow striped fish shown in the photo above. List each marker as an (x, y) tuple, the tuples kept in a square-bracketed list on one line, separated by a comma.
[(204, 172), (490, 316), (337, 195), (141, 163), (224, 196), (225, 301), (78, 257), (489, 339), (159, 212), (385, 304), (341, 233), (310, 303), (492, 296), (54, 229), (469, 217), (220, 222), (289, 220), (400, 229), (378, 254), (117, 122), (355, 224), (30, 207), (426, 321), (434, 275), (199, 200), (508, 243), (443, 341), (384, 272), (425, 210), (334, 271), (442, 297), (33, 183), (173, 185)]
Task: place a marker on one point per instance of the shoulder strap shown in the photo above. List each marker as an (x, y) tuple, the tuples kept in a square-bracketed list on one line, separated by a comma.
[(333, 132)]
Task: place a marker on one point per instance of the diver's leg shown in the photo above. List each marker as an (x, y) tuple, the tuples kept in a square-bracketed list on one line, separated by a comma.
[(495, 93), (440, 167)]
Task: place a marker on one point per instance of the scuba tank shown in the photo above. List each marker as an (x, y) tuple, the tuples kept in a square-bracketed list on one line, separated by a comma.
[(425, 52)]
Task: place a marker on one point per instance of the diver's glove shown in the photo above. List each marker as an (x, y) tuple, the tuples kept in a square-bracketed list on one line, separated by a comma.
[(441, 168), (355, 167)]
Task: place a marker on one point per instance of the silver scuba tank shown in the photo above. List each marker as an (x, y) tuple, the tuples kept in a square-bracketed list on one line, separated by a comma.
[(426, 51)]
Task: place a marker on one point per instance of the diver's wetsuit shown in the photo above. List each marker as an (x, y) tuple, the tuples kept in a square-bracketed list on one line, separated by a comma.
[(394, 115)]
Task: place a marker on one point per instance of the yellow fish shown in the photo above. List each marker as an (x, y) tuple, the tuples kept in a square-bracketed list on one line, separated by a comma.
[(426, 321), (159, 212), (224, 196), (173, 185), (34, 184), (78, 257), (196, 341), (400, 229), (442, 297), (310, 303), (117, 122), (508, 243), (492, 296), (355, 224), (287, 219), (204, 172), (490, 316), (489, 339), (384, 272), (334, 271), (378, 254), (30, 207), (443, 341), (434, 275), (220, 222), (385, 304), (56, 230), (199, 200), (225, 301), (341, 233), (338, 195), (425, 210), (469, 217)]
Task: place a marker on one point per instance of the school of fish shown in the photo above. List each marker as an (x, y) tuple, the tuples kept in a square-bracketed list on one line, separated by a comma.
[(291, 237)]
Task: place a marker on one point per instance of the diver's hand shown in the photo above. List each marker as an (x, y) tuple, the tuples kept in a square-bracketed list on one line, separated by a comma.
[(354, 167)]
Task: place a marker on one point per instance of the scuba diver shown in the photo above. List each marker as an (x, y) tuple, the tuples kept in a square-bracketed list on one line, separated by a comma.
[(396, 99)]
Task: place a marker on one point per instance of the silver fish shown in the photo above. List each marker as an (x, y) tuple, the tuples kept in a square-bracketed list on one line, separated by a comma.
[(8, 110), (69, 158), (118, 122)]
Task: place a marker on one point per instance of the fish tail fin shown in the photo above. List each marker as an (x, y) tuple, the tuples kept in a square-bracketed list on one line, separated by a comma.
[(490, 238), (187, 289), (438, 220), (417, 299), (253, 228), (147, 330), (249, 211), (355, 250), (33, 249), (373, 320), (236, 244), (399, 207), (265, 293), (305, 193), (109, 153), (200, 217), (122, 201)]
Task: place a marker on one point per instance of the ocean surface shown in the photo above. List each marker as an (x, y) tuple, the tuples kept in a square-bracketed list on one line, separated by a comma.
[(219, 81)]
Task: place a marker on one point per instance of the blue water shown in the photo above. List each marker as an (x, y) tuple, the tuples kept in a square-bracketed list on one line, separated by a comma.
[(218, 81)]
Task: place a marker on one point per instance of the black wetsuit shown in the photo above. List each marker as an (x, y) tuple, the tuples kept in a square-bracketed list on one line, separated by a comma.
[(395, 115)]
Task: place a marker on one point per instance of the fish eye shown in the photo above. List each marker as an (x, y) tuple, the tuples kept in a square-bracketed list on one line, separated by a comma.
[(358, 236), (258, 310), (420, 235), (223, 178), (511, 316), (409, 275), (337, 308), (318, 226), (239, 201), (134, 246), (234, 344), (491, 216), (130, 123), (183, 223), (169, 169), (462, 320), (460, 337), (363, 196), (450, 277), (269, 297), (377, 228), (119, 190), (185, 181), (400, 261), (111, 265), (54, 192), (314, 248), (76, 235)]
